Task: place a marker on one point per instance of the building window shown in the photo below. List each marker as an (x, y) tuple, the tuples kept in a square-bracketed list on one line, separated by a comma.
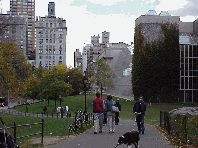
[(60, 51), (53, 51), (46, 24), (46, 62), (49, 57), (60, 58), (46, 51), (49, 62), (50, 41), (46, 40), (53, 57), (53, 62), (60, 47), (46, 67), (40, 57), (60, 41), (46, 57), (40, 51), (50, 51), (54, 24), (50, 24), (60, 24)]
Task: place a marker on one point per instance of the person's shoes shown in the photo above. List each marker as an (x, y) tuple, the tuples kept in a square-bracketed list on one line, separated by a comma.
[(95, 132), (142, 132), (113, 132), (100, 131)]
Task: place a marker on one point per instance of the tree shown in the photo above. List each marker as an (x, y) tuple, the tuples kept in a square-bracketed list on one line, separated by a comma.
[(155, 71), (75, 78), (14, 70), (102, 74)]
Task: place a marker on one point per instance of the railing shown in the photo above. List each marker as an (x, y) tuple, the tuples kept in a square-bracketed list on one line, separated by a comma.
[(15, 126), (80, 119), (177, 126)]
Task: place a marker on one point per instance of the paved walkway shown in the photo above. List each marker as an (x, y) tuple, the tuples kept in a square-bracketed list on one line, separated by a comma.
[(151, 139)]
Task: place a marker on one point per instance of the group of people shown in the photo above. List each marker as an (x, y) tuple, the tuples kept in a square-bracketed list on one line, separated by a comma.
[(103, 113), (61, 110)]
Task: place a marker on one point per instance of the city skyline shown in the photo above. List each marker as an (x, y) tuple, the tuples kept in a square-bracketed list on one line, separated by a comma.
[(86, 18)]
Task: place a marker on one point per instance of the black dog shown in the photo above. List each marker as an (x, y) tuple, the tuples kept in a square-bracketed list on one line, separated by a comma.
[(129, 138)]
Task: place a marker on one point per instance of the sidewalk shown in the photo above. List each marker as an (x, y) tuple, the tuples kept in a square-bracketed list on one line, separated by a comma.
[(151, 139)]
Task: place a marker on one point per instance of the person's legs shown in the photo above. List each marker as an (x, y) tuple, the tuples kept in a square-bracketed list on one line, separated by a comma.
[(101, 122), (109, 118), (138, 120), (142, 124), (113, 122), (96, 122), (116, 118)]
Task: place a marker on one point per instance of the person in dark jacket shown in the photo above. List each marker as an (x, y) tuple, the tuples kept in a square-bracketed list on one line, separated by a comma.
[(98, 108), (117, 113), (139, 109), (44, 109)]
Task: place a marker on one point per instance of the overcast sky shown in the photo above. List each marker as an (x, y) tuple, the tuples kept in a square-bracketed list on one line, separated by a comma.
[(85, 18)]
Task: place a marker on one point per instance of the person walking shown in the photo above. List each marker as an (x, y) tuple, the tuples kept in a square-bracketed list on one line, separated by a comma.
[(105, 116), (58, 111), (139, 109), (98, 108), (117, 113), (44, 109), (110, 113)]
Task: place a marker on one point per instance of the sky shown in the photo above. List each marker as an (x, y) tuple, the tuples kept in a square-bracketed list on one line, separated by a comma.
[(85, 18)]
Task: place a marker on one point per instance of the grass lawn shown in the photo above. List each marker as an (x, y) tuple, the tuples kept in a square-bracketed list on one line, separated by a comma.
[(77, 103)]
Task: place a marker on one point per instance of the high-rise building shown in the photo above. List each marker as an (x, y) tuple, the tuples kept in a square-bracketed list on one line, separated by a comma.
[(50, 39), (26, 7), (77, 59)]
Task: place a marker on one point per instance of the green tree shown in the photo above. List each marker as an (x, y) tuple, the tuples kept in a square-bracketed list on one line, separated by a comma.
[(155, 71), (102, 74), (14, 70)]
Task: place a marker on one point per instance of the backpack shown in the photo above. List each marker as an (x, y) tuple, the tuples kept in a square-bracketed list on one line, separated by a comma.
[(110, 104)]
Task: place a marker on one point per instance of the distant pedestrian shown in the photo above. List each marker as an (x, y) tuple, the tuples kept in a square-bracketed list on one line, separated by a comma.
[(98, 107), (117, 113), (44, 109), (58, 111), (66, 110), (110, 113), (139, 109), (62, 111), (149, 104), (105, 115)]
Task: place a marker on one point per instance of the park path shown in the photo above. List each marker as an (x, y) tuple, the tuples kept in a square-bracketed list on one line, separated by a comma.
[(151, 139)]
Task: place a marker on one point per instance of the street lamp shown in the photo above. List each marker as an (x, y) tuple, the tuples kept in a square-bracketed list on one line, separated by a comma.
[(60, 99), (85, 89)]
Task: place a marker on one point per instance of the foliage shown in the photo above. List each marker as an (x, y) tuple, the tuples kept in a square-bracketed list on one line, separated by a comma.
[(14, 70), (155, 70), (102, 74), (75, 78)]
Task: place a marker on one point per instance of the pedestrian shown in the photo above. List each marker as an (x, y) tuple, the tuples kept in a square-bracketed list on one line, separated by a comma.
[(58, 111), (98, 107), (44, 109), (149, 104), (66, 110), (105, 116), (62, 111), (110, 113), (117, 113), (139, 109)]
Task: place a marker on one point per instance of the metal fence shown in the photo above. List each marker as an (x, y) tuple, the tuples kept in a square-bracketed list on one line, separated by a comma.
[(15, 127), (175, 125)]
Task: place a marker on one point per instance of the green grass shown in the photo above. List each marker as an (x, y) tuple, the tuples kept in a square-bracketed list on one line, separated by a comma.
[(52, 127), (77, 103)]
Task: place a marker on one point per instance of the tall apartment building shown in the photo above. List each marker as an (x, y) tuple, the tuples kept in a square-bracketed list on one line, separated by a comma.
[(26, 7), (50, 39), (77, 59), (14, 28), (188, 43)]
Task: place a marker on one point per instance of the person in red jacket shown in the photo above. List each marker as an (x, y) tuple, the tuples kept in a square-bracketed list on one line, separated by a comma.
[(98, 107)]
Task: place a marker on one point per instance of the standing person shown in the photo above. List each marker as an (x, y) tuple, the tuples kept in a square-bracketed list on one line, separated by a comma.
[(98, 107), (117, 113), (61, 111), (105, 115), (139, 109), (110, 114), (58, 110), (44, 109), (66, 110)]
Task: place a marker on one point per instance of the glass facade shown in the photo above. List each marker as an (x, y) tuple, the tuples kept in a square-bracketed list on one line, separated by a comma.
[(189, 72)]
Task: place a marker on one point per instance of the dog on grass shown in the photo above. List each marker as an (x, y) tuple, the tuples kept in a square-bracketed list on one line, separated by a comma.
[(129, 138)]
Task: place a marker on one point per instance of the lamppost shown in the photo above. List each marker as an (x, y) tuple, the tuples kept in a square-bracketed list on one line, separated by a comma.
[(85, 89), (60, 99)]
